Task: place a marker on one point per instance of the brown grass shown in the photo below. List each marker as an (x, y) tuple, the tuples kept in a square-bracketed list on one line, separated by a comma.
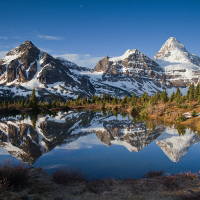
[(169, 181), (69, 175), (12, 176), (190, 175), (159, 109), (152, 173), (191, 196), (99, 185)]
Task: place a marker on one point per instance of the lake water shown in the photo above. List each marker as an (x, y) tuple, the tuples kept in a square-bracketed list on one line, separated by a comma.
[(101, 144)]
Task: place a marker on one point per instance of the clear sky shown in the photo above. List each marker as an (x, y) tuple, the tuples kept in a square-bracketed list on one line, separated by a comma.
[(84, 31)]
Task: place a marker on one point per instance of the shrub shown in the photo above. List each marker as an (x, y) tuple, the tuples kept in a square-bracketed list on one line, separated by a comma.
[(103, 106), (181, 118), (185, 106), (194, 113), (134, 111), (190, 175), (69, 175), (181, 129), (13, 175), (178, 106), (169, 181), (152, 173), (190, 106), (143, 114), (116, 108), (123, 105), (168, 112)]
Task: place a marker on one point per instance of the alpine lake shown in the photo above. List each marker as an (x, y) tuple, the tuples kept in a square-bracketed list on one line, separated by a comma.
[(102, 144)]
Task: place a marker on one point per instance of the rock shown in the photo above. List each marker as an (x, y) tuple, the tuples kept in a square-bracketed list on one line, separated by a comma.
[(102, 65)]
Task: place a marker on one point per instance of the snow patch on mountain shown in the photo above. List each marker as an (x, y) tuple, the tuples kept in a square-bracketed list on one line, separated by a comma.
[(125, 55), (173, 50), (184, 69), (175, 146)]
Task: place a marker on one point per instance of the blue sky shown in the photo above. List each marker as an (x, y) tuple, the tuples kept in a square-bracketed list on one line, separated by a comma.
[(83, 31)]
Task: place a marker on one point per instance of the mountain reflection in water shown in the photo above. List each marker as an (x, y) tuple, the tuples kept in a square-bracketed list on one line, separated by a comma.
[(28, 138)]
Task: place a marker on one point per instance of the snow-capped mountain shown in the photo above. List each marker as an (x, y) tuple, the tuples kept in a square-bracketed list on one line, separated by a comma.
[(180, 66), (175, 146), (133, 72), (26, 67), (173, 51)]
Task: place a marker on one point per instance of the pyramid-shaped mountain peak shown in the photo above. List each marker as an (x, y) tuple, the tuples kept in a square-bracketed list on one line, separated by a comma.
[(173, 50), (26, 46)]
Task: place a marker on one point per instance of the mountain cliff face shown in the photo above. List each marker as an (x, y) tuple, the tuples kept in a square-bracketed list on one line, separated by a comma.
[(133, 72), (173, 51), (29, 67), (180, 66), (26, 67)]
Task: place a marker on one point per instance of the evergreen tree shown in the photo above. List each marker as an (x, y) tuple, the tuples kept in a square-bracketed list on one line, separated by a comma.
[(173, 96), (178, 93), (54, 104), (33, 119), (133, 100), (163, 96), (93, 98), (78, 98), (145, 97), (40, 103), (84, 100), (190, 93), (49, 105), (22, 103), (33, 101), (5, 104), (115, 99), (26, 104), (197, 91), (58, 103), (157, 96)]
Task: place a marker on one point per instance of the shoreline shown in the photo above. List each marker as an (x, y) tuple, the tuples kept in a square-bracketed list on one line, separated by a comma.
[(167, 115), (41, 186)]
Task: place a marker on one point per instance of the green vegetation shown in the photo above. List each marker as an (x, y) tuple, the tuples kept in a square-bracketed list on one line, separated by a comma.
[(157, 105), (194, 113), (180, 118)]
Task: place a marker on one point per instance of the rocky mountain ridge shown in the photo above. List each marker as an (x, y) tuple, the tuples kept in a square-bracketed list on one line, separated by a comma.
[(173, 50), (26, 67), (133, 71), (181, 67)]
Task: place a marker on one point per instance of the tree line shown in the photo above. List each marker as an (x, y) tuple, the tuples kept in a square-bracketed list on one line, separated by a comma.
[(136, 102)]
